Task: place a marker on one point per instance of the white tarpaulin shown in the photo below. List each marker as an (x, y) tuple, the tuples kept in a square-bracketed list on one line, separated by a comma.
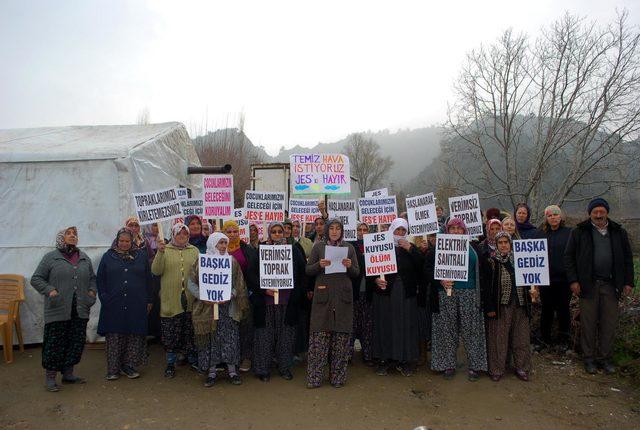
[(52, 178)]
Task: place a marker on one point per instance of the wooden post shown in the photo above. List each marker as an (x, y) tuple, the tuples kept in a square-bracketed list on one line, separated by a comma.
[(160, 232), (216, 314)]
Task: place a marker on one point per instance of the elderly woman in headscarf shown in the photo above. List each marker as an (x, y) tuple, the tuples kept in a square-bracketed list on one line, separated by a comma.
[(458, 314), (218, 341), (247, 258), (206, 228), (254, 235), (331, 309), (300, 238), (133, 224), (509, 225), (196, 238), (363, 287), (395, 306), (125, 290), (173, 263), (66, 279), (151, 234), (275, 324), (488, 246), (507, 308), (525, 228)]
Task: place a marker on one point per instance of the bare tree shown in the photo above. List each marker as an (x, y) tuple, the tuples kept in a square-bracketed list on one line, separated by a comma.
[(144, 116), (367, 164), (543, 120)]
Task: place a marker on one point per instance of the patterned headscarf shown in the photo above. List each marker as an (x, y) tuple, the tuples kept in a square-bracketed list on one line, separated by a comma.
[(177, 228), (126, 255), (138, 240), (503, 258), (270, 241), (61, 245)]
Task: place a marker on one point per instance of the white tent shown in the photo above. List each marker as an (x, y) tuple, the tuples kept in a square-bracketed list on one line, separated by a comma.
[(52, 178)]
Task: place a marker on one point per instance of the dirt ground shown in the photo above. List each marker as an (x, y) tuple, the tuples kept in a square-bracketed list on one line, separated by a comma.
[(558, 396)]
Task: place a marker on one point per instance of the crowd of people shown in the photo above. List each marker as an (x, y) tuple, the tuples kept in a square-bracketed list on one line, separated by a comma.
[(148, 287)]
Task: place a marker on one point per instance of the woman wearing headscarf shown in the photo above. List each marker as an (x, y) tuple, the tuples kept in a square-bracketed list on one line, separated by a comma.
[(363, 287), (66, 279), (125, 290), (133, 224), (247, 258), (555, 298), (395, 307), (196, 238), (218, 341), (424, 305), (151, 235), (275, 324), (488, 246), (172, 264), (304, 241), (331, 309), (507, 308), (254, 236), (509, 225), (206, 229), (457, 315), (523, 224)]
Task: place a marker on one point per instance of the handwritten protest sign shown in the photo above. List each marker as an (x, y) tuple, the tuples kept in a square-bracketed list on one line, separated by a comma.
[(452, 252), (243, 224), (264, 206), (421, 212), (276, 267), (182, 193), (377, 193), (320, 173), (467, 208), (214, 275), (303, 210), (157, 206), (379, 254), (345, 211), (531, 261), (192, 207), (217, 196), (377, 210)]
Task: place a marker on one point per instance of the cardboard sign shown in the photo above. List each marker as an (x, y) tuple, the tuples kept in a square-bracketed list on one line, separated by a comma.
[(217, 196), (345, 211), (276, 267), (214, 275), (243, 224), (264, 206), (192, 207), (421, 212), (378, 210), (320, 174), (304, 210), (531, 261), (377, 193), (452, 256), (379, 254), (182, 193), (157, 206), (467, 208)]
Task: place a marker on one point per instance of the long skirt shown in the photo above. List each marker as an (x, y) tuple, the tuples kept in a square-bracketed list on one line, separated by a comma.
[(395, 325), (63, 341), (125, 350), (275, 338), (302, 331), (246, 336), (224, 343), (460, 316), (510, 328), (177, 335), (362, 325), (325, 346)]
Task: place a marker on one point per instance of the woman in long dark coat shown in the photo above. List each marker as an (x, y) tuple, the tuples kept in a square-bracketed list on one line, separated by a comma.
[(125, 291)]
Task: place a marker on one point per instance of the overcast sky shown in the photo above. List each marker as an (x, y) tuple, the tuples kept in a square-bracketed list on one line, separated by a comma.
[(302, 72)]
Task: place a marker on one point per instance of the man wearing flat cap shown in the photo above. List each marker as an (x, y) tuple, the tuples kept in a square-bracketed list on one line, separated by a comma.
[(599, 265)]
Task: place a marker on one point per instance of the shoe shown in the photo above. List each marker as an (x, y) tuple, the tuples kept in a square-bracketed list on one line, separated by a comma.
[(473, 376), (264, 378), (608, 368), (130, 372), (245, 366), (170, 371), (522, 375), (382, 369), (210, 381), (51, 386), (312, 386), (73, 379), (235, 379), (405, 369), (448, 374), (286, 374), (590, 367), (194, 367), (495, 377), (112, 376), (337, 385)]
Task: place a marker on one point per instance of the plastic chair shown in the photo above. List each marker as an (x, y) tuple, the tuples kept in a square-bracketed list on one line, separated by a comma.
[(11, 294), (7, 341)]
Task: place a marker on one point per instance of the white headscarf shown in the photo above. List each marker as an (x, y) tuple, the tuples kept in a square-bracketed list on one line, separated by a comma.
[(396, 223), (212, 242)]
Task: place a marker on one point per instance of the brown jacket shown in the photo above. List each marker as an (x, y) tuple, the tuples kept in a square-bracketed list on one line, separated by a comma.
[(332, 307)]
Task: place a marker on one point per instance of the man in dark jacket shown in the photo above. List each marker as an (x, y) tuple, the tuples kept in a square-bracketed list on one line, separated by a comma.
[(599, 267)]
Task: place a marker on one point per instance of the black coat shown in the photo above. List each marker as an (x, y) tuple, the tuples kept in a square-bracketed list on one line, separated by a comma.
[(370, 280), (410, 264), (491, 280), (252, 273), (578, 257), (556, 244)]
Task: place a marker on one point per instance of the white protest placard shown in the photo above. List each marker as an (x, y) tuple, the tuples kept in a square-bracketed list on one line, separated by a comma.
[(264, 206), (276, 267), (320, 174), (377, 193), (243, 224), (157, 206), (452, 255), (531, 261), (345, 211), (191, 207), (182, 193), (379, 254), (214, 275), (304, 210), (335, 254), (467, 208), (421, 212), (217, 196), (377, 210)]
